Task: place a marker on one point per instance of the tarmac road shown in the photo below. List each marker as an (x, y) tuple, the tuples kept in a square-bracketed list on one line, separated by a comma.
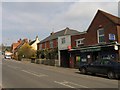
[(16, 74)]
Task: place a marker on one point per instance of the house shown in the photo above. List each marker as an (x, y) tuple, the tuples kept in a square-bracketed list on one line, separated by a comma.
[(101, 40), (14, 45), (66, 43), (51, 42), (34, 43), (15, 50)]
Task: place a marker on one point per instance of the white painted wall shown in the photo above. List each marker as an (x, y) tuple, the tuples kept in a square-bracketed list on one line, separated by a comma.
[(34, 45), (66, 44)]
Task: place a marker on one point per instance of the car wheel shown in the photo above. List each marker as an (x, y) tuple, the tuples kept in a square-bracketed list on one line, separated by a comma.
[(110, 75), (83, 71)]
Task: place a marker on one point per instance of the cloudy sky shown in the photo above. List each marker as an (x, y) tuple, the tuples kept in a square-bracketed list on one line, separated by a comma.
[(28, 19)]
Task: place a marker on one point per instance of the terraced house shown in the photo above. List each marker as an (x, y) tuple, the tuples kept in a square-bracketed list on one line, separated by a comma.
[(101, 40), (50, 44)]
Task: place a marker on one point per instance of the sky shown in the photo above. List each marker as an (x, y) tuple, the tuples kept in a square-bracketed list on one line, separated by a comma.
[(23, 19)]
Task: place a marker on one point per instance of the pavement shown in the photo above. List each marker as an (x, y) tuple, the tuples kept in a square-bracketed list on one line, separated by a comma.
[(17, 74)]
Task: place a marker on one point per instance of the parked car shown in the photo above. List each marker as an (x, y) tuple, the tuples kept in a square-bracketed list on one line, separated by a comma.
[(7, 56), (111, 68)]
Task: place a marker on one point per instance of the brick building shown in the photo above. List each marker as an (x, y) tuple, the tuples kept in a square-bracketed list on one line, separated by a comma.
[(102, 40), (51, 42)]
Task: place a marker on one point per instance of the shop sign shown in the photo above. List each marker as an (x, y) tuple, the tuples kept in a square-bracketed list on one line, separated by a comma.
[(116, 47), (112, 37), (91, 50), (83, 60)]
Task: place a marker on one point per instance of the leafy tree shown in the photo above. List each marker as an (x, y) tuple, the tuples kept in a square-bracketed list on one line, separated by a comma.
[(26, 51), (48, 53)]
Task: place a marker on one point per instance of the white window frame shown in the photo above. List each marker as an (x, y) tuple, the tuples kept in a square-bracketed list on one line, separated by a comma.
[(40, 47), (63, 41), (81, 42), (100, 35), (51, 44)]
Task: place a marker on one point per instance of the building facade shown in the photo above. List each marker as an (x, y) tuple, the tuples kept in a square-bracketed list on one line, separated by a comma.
[(102, 40)]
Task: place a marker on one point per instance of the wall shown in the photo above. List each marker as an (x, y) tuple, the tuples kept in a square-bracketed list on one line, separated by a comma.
[(34, 45), (75, 37), (66, 44), (100, 21)]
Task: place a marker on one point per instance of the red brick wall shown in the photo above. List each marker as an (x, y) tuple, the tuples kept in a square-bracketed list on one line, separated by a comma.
[(74, 38), (55, 43), (99, 20), (47, 44), (118, 31), (43, 45)]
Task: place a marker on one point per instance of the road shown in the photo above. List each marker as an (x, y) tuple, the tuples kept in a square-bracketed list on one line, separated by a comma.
[(16, 74)]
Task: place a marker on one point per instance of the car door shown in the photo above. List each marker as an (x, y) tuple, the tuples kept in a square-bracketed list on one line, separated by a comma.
[(104, 66), (94, 67)]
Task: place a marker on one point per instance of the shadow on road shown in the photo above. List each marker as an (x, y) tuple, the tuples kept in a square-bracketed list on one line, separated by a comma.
[(96, 75)]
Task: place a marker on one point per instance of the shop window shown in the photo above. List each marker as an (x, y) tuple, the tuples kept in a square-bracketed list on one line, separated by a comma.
[(101, 36), (79, 42)]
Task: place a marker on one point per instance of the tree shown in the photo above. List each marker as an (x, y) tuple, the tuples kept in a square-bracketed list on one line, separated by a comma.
[(48, 53), (26, 51)]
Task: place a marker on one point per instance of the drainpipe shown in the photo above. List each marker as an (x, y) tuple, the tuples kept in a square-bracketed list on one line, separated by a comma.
[(59, 62)]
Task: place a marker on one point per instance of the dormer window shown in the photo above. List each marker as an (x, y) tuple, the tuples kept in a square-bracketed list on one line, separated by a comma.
[(101, 35), (79, 42)]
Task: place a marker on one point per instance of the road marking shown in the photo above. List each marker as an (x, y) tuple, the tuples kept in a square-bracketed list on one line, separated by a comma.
[(77, 84), (13, 67), (71, 84), (62, 83), (33, 73)]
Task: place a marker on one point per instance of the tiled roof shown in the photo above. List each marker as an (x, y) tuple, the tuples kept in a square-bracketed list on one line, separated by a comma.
[(22, 43), (111, 17), (55, 35)]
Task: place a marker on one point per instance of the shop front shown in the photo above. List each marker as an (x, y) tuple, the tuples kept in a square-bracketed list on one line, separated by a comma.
[(107, 51)]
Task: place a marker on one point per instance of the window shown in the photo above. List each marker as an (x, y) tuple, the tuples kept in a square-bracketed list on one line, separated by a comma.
[(51, 44), (101, 36), (40, 46), (63, 40), (79, 42)]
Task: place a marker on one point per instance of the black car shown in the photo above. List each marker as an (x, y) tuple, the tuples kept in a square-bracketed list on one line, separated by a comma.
[(110, 68)]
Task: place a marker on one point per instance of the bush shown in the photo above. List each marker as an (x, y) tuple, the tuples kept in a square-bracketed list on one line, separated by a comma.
[(26, 51)]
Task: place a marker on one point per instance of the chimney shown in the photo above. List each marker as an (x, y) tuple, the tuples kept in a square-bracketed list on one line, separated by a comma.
[(26, 40), (66, 30), (19, 41), (29, 40), (36, 37), (51, 33)]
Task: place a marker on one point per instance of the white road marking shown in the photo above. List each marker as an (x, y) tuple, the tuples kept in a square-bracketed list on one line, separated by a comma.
[(77, 84), (72, 85), (13, 67), (33, 73), (62, 83)]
